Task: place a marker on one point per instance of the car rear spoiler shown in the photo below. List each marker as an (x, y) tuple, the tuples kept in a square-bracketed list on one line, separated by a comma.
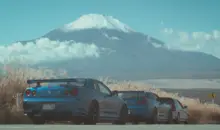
[(55, 80)]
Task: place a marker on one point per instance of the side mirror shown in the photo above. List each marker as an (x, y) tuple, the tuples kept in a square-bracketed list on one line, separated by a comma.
[(185, 107), (115, 93)]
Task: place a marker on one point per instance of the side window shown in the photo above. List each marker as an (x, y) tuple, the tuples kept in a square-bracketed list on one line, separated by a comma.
[(180, 104), (96, 87), (104, 89)]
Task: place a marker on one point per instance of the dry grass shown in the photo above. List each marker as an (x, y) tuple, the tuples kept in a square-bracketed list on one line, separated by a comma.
[(15, 82)]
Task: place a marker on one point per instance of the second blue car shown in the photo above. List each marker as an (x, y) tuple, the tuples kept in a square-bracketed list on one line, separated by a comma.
[(142, 106)]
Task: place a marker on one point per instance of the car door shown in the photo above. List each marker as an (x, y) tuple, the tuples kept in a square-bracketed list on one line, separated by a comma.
[(179, 109), (109, 104), (183, 112)]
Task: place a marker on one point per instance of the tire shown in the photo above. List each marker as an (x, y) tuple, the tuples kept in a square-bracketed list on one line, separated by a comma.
[(135, 122), (93, 114), (178, 119), (38, 120), (185, 122), (154, 119), (123, 116), (170, 118), (77, 122)]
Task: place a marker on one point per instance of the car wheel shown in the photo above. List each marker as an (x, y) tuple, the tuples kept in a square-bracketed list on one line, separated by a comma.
[(93, 115), (135, 122), (123, 116), (186, 122), (178, 118), (77, 121), (38, 120), (170, 117), (154, 119)]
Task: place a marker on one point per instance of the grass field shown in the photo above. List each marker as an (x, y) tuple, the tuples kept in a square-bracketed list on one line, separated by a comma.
[(15, 82)]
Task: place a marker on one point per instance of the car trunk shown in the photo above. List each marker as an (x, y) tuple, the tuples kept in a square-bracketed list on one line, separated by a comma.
[(53, 90)]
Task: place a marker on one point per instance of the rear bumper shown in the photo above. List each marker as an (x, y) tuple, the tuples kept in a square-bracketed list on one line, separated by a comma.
[(64, 110), (137, 114), (56, 116)]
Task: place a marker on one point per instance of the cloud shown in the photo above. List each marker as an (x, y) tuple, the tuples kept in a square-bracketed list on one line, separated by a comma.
[(46, 50), (167, 30), (208, 42)]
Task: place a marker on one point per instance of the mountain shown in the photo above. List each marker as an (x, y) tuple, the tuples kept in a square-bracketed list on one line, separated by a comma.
[(125, 53)]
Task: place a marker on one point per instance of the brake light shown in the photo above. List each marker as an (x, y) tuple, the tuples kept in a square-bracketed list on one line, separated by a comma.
[(74, 92), (66, 92), (173, 108), (142, 101), (34, 93), (28, 92)]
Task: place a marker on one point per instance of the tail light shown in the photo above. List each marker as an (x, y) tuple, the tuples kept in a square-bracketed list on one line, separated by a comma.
[(66, 92), (34, 93), (173, 108), (28, 92), (74, 92), (142, 101)]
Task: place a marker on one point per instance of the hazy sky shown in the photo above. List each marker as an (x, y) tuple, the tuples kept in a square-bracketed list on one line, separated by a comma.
[(27, 19)]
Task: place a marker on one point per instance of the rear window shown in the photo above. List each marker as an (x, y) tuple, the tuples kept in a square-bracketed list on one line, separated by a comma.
[(128, 94), (165, 101)]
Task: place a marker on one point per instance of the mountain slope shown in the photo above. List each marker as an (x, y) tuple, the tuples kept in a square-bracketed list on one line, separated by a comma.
[(130, 55)]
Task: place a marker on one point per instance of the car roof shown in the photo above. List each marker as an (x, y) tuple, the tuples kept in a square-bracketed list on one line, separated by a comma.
[(129, 91), (168, 98), (152, 93), (29, 81)]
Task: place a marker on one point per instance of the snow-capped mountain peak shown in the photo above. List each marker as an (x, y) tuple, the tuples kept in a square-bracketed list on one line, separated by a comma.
[(97, 21)]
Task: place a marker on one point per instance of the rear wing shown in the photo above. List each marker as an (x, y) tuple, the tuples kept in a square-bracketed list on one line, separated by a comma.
[(130, 91), (56, 80)]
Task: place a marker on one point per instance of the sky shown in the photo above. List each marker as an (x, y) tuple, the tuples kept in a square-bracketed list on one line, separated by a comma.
[(182, 24), (27, 19)]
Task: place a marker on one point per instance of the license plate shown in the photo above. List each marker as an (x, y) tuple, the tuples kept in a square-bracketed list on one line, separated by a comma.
[(48, 106)]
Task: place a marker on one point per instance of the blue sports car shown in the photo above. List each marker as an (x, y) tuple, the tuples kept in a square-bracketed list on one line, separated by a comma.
[(143, 106), (80, 100)]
